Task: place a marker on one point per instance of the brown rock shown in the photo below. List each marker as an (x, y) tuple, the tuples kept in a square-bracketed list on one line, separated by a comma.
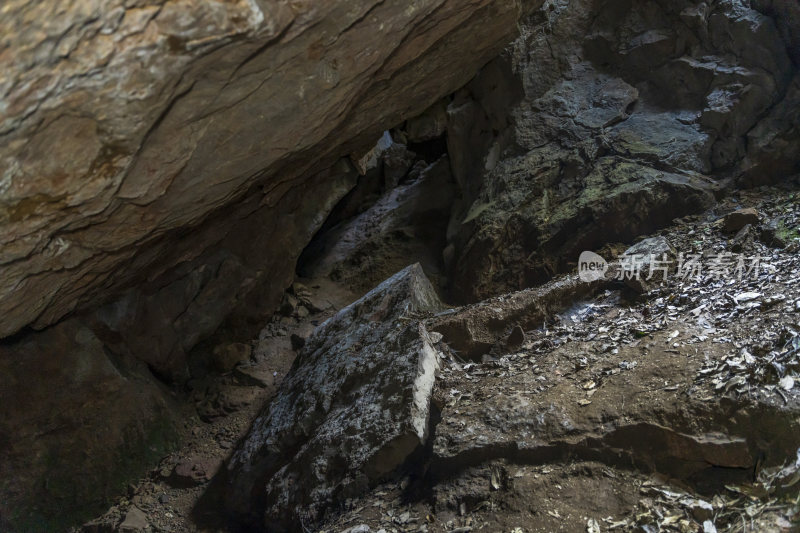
[(255, 377), (429, 125), (69, 409), (123, 124), (516, 338), (227, 356), (739, 219)]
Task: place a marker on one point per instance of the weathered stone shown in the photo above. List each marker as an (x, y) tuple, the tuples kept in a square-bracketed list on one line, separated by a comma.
[(135, 521), (735, 221), (773, 144), (742, 239), (160, 321), (227, 356), (126, 124), (787, 17), (516, 338), (397, 161), (255, 377), (193, 471), (615, 141), (653, 246), (429, 125), (78, 414), (647, 263), (224, 400), (405, 224), (353, 407), (474, 330)]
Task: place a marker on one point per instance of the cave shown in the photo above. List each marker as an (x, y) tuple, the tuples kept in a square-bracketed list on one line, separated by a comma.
[(382, 266)]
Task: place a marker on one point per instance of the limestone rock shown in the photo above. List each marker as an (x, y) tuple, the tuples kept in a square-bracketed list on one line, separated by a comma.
[(647, 263), (652, 246), (353, 407)]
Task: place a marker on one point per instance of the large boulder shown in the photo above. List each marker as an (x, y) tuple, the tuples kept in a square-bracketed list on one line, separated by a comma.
[(155, 173), (354, 406)]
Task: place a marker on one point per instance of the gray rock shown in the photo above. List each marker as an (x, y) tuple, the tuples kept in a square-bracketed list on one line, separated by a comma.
[(406, 224), (352, 409), (650, 262), (135, 521), (655, 246), (361, 528), (429, 125)]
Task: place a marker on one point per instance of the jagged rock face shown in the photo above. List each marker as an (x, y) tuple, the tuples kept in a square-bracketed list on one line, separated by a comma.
[(626, 115), (123, 122), (355, 405)]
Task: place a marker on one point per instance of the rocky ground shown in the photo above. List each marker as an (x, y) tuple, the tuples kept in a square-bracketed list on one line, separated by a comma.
[(660, 405), (671, 410)]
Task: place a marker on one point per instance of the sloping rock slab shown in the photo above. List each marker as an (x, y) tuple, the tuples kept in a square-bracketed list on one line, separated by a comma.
[(354, 406)]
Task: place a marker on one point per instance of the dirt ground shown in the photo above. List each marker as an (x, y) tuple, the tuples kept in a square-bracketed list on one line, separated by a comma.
[(665, 406)]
